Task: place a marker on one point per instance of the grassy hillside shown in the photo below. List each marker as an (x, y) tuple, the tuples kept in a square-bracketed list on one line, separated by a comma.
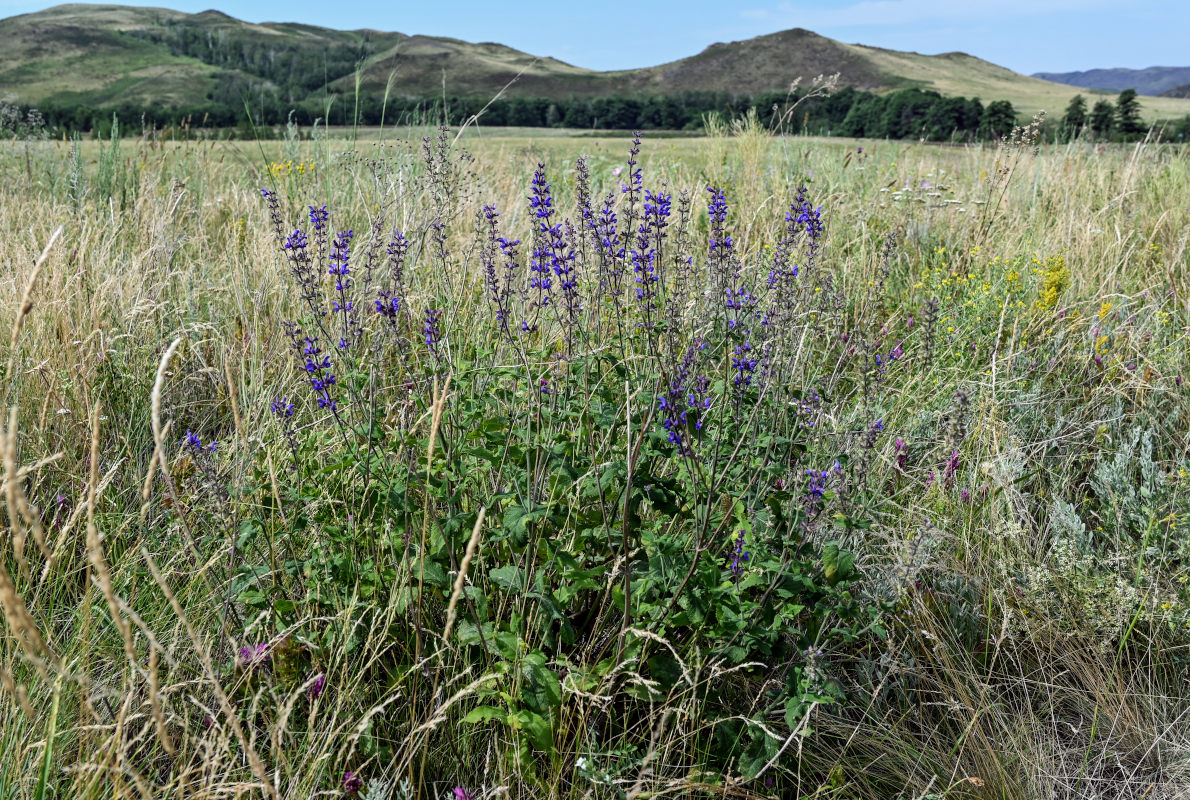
[(107, 56), (424, 65), (104, 56), (90, 53), (962, 74)]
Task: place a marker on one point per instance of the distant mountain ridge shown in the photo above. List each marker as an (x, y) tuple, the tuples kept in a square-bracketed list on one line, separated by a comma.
[(108, 56), (1148, 81)]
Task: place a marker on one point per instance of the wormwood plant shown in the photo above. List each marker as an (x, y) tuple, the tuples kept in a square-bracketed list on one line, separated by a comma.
[(608, 501)]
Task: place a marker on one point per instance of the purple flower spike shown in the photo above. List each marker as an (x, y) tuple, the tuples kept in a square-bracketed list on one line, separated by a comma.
[(433, 333), (739, 556)]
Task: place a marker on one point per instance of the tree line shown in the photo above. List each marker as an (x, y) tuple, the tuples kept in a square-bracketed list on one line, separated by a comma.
[(904, 114), (908, 113)]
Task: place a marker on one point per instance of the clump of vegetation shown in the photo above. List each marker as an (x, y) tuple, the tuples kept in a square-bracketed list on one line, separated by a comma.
[(1120, 122), (436, 473)]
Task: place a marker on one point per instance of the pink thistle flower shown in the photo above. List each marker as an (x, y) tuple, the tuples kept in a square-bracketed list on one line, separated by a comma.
[(253, 656)]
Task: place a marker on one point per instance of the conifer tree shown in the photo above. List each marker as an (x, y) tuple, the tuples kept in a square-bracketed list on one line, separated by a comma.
[(1128, 121), (1103, 118), (1075, 118), (999, 118)]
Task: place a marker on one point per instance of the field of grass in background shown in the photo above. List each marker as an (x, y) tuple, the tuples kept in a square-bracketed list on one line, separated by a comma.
[(894, 507)]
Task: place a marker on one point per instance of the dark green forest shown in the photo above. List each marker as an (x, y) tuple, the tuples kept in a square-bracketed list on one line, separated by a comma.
[(904, 114), (285, 70)]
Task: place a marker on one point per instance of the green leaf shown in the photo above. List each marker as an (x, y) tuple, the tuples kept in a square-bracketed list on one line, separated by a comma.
[(253, 598), (511, 578), (484, 714), (760, 750), (505, 643), (542, 690), (435, 575), (836, 563), (795, 709), (535, 727)]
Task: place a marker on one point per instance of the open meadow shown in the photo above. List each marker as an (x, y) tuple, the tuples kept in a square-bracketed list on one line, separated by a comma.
[(536, 466)]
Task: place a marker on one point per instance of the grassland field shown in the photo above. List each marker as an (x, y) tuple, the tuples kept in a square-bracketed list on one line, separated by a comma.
[(933, 543)]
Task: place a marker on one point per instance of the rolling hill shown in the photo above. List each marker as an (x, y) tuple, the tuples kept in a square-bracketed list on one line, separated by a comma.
[(1149, 81), (103, 56)]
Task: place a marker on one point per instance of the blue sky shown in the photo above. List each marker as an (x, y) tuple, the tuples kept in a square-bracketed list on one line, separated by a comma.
[(1024, 35)]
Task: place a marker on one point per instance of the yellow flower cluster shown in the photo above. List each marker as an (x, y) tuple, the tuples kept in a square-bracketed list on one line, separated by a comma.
[(1055, 279), (279, 169)]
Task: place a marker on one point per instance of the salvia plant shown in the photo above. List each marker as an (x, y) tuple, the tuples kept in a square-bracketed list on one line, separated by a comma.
[(632, 441)]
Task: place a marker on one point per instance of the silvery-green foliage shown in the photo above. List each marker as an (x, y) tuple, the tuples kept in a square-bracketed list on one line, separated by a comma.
[(1125, 482), (378, 789), (77, 188), (292, 140), (1068, 532)]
